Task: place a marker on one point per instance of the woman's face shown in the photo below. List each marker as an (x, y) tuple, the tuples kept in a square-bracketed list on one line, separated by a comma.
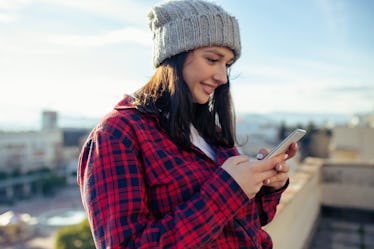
[(205, 69)]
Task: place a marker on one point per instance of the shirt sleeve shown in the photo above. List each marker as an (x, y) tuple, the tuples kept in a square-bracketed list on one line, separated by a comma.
[(267, 201), (114, 193)]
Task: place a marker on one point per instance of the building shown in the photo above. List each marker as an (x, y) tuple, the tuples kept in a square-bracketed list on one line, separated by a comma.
[(362, 120), (30, 150), (49, 120), (353, 143)]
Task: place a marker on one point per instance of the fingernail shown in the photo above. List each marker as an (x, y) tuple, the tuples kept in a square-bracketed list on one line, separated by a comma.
[(285, 156), (278, 167), (260, 156), (266, 181)]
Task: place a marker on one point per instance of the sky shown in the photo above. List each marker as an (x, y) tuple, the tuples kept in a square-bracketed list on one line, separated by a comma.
[(79, 57)]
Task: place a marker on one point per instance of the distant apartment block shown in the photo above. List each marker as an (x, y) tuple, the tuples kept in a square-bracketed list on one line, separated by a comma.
[(51, 147), (353, 143), (49, 120), (31, 150), (34, 150)]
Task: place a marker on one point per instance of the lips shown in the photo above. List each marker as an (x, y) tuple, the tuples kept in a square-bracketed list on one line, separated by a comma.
[(208, 89)]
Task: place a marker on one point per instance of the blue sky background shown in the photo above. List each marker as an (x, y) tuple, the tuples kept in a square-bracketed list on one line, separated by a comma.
[(79, 57)]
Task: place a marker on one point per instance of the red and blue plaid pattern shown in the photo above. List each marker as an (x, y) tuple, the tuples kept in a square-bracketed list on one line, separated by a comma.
[(141, 191)]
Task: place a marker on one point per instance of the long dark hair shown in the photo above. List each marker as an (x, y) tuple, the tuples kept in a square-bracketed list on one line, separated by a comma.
[(168, 97)]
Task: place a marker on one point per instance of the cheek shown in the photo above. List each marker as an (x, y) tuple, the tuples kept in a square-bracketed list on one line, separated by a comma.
[(190, 77)]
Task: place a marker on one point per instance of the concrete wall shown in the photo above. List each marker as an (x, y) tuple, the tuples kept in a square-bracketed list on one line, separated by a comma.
[(299, 208), (348, 184), (314, 183)]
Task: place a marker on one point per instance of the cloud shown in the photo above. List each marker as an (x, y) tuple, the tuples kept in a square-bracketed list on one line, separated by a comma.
[(8, 17), (8, 10), (262, 98), (335, 15), (303, 85), (351, 89), (126, 35), (132, 12), (359, 95), (13, 4), (293, 72), (127, 10)]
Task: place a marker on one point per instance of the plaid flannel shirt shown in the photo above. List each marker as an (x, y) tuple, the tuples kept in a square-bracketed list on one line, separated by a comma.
[(141, 191)]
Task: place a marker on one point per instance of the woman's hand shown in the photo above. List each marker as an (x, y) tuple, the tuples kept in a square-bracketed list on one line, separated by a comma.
[(279, 180), (252, 175)]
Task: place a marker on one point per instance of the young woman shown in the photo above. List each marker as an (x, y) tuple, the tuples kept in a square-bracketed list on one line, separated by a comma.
[(162, 170)]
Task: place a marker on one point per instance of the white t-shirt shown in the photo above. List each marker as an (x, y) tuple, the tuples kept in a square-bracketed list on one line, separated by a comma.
[(199, 142)]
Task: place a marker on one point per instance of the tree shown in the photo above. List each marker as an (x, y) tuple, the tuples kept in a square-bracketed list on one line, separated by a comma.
[(75, 237)]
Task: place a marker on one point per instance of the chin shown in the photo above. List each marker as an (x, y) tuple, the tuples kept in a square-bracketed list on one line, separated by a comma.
[(202, 101)]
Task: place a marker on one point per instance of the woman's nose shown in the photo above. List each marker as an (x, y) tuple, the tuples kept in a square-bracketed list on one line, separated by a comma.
[(220, 75)]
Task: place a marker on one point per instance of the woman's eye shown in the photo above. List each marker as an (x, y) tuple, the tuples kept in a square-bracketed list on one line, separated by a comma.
[(211, 60)]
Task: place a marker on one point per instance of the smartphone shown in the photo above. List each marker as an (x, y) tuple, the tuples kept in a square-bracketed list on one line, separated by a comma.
[(295, 136)]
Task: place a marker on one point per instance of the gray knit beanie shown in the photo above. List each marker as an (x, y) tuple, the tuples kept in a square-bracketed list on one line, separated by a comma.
[(183, 25)]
